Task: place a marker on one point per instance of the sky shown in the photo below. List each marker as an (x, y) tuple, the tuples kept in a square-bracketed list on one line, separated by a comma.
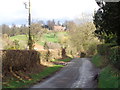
[(14, 12)]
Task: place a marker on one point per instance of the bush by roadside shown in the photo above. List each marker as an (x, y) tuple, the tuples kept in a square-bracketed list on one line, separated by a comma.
[(99, 61), (108, 59), (47, 55), (17, 60), (114, 57), (103, 49), (111, 53)]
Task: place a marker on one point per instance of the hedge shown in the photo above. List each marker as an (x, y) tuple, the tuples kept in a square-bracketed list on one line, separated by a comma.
[(48, 55), (26, 60), (111, 52), (19, 60), (103, 49), (114, 56)]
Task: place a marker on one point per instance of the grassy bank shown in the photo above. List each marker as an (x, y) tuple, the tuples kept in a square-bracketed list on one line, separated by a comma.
[(109, 76), (46, 37), (64, 60), (100, 61), (51, 37), (97, 60), (35, 77), (14, 83)]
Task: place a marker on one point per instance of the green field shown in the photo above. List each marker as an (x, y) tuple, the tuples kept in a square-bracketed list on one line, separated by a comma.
[(47, 37), (51, 37), (19, 37), (22, 40)]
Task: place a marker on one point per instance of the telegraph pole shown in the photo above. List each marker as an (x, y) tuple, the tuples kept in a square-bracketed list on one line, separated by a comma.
[(30, 41)]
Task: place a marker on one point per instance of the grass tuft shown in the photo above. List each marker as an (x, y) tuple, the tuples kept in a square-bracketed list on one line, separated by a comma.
[(109, 78)]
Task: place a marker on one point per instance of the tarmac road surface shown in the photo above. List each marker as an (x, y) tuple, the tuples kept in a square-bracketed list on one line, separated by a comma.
[(79, 73)]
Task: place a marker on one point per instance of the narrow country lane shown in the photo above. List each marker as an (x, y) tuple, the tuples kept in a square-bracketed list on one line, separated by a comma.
[(79, 73)]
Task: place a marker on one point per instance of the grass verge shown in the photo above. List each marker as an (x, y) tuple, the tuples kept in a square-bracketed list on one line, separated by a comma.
[(48, 71), (14, 83), (99, 61), (109, 78), (64, 60)]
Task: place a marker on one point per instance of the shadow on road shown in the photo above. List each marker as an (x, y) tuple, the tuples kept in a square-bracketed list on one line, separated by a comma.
[(79, 73)]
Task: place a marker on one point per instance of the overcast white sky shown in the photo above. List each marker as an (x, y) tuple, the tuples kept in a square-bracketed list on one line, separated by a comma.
[(13, 11)]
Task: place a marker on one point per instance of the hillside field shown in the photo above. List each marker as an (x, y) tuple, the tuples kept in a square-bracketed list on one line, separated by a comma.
[(47, 37)]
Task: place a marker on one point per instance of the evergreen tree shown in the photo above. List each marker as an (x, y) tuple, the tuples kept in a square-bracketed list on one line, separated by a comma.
[(107, 22)]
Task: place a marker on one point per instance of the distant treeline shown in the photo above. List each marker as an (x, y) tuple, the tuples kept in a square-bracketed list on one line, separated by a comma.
[(35, 27)]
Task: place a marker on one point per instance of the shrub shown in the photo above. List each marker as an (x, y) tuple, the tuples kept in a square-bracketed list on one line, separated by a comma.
[(100, 61), (103, 49), (51, 45), (24, 60), (13, 45), (114, 56), (56, 54), (43, 55), (92, 50), (48, 55), (110, 52)]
